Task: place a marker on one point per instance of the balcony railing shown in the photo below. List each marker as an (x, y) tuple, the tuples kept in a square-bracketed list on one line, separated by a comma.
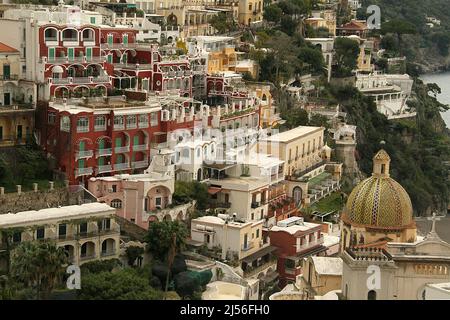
[(140, 147), (122, 149), (248, 246), (310, 244), (255, 204), (108, 253), (121, 166), (140, 164), (84, 154), (254, 270), (83, 172), (88, 257), (104, 152), (11, 77), (80, 80), (104, 168)]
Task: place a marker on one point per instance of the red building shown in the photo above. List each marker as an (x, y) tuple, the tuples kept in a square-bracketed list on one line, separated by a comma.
[(295, 240), (98, 136), (72, 61)]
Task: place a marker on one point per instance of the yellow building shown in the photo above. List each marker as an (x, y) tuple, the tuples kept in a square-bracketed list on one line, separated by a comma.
[(268, 112), (16, 114), (378, 210), (87, 232), (323, 19), (222, 60), (250, 11)]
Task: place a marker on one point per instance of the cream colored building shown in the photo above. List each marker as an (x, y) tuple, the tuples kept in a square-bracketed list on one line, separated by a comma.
[(300, 148), (320, 275), (250, 11), (87, 232), (16, 112)]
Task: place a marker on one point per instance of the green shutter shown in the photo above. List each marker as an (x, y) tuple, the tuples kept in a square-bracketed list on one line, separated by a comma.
[(51, 54), (135, 140), (110, 58), (82, 145), (133, 156), (118, 142), (101, 161), (81, 163), (92, 20), (125, 39), (101, 144), (110, 39), (124, 58), (89, 53), (119, 158), (71, 53)]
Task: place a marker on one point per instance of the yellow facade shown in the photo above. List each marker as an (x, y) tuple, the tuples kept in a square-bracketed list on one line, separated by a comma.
[(16, 118), (224, 60), (250, 11)]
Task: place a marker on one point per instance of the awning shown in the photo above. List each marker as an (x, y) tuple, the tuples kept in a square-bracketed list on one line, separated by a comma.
[(259, 254), (214, 190)]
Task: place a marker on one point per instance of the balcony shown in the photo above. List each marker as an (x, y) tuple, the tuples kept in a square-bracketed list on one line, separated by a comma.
[(104, 152), (122, 149), (11, 77), (140, 147), (84, 154), (139, 164), (87, 257), (255, 204), (80, 80), (225, 205), (121, 166), (83, 172), (247, 247), (104, 168), (66, 60), (311, 244), (108, 253)]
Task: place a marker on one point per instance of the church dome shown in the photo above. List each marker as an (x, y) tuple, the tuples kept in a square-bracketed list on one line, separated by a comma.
[(379, 201)]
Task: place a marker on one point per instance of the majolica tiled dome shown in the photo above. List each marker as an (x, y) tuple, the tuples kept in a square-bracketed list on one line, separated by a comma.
[(379, 201)]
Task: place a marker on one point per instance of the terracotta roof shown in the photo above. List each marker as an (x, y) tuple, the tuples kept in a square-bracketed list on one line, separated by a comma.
[(6, 48)]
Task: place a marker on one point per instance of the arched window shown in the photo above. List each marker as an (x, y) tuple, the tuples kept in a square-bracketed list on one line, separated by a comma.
[(116, 203), (372, 295)]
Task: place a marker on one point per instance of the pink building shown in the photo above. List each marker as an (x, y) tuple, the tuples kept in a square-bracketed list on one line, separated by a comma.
[(141, 198)]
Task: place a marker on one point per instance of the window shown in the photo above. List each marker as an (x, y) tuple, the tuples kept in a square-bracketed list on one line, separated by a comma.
[(51, 118), (289, 264), (62, 230), (17, 237), (83, 228), (372, 295), (40, 233), (118, 122), (65, 124), (105, 224), (116, 203), (100, 123), (131, 122), (153, 119), (92, 20), (114, 188), (143, 121), (257, 233), (82, 124), (158, 201)]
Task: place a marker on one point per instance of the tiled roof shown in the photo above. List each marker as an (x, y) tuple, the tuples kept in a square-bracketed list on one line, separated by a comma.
[(6, 48)]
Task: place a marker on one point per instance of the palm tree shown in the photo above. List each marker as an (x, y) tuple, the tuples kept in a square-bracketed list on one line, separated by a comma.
[(38, 265)]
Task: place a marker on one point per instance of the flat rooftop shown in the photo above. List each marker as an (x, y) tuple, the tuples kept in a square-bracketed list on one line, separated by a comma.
[(61, 213), (288, 136)]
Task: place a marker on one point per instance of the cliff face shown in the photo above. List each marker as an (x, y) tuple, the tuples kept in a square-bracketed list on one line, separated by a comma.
[(418, 146)]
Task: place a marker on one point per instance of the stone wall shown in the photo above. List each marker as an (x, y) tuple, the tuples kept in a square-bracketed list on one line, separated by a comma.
[(41, 199)]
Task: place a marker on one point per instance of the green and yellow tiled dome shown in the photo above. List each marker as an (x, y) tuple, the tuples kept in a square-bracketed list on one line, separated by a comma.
[(379, 201)]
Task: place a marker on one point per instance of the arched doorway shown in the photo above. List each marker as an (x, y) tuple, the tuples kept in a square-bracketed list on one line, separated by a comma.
[(108, 247), (297, 195), (372, 295)]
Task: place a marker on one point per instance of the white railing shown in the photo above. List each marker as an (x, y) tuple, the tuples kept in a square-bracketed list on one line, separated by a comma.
[(121, 166), (104, 168), (104, 152), (140, 164), (100, 128), (122, 149), (83, 171), (140, 147), (84, 154)]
